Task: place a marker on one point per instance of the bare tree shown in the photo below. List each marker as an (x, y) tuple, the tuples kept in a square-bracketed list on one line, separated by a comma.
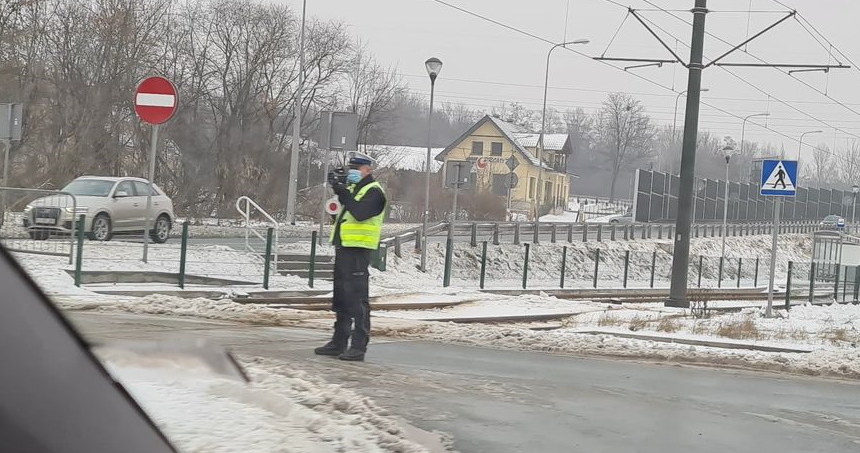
[(625, 134)]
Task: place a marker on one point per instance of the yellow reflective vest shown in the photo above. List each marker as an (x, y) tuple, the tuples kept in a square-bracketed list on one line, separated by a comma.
[(364, 234)]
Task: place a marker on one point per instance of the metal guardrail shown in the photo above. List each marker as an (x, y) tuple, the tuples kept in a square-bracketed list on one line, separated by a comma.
[(246, 215), (23, 229)]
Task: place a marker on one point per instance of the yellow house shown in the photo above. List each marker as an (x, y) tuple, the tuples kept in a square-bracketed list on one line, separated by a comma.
[(491, 143)]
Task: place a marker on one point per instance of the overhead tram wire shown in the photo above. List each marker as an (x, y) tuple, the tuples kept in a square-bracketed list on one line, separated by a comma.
[(765, 62), (643, 78)]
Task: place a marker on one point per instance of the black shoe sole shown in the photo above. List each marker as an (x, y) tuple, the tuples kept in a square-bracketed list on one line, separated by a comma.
[(351, 358), (329, 353)]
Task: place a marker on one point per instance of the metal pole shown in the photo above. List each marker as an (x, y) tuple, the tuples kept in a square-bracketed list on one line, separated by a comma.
[(483, 263), (323, 212), (456, 192), (427, 186), (7, 145), (681, 252), (297, 124), (725, 209), (148, 223), (774, 235)]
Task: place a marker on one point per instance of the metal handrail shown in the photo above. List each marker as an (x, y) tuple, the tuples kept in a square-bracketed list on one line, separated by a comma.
[(246, 214)]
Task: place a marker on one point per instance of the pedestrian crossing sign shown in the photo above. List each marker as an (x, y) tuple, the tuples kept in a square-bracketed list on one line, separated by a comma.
[(778, 178)]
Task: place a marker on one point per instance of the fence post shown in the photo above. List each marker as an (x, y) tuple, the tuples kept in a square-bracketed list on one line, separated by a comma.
[(268, 263), (526, 266), (563, 264), (517, 233), (554, 233), (584, 232), (740, 266), (397, 246), (844, 282), (701, 262), (474, 242), (79, 259), (612, 232), (720, 273), (671, 231), (596, 265), (313, 259), (644, 228), (536, 228), (496, 233), (755, 278), (856, 283), (599, 232), (626, 233), (483, 262), (569, 233), (449, 255), (811, 282), (626, 266), (183, 248), (788, 286), (836, 284), (653, 266), (660, 232)]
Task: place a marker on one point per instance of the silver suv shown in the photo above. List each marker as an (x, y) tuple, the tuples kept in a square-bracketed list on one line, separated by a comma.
[(111, 205)]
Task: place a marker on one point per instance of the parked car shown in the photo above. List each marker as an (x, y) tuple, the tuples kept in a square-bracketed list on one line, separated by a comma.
[(833, 221), (624, 218), (111, 205)]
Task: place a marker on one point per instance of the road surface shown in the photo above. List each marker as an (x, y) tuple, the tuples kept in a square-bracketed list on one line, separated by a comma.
[(495, 401)]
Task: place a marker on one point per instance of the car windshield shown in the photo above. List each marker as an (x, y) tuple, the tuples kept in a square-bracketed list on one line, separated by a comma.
[(831, 218), (89, 187)]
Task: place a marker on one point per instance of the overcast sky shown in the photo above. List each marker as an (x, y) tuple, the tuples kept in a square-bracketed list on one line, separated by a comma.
[(486, 64)]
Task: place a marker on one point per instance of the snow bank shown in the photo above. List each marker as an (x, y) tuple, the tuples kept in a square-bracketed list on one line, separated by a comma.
[(829, 362), (280, 410)]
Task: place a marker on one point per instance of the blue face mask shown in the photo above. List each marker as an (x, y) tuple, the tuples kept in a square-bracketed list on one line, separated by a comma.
[(353, 176)]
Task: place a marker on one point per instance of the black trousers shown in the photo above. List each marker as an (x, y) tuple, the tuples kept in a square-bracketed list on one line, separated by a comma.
[(351, 299)]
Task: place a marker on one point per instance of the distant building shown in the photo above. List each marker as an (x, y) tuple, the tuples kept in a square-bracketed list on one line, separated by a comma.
[(491, 142)]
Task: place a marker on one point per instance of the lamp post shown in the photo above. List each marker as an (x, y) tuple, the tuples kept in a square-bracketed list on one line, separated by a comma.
[(675, 116), (728, 151), (292, 191), (800, 145), (744, 130), (854, 190), (433, 65), (542, 131)]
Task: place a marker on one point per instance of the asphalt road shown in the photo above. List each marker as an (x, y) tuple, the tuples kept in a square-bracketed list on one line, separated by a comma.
[(494, 401)]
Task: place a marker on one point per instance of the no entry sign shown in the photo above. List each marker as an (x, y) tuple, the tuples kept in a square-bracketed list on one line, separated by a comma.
[(155, 100)]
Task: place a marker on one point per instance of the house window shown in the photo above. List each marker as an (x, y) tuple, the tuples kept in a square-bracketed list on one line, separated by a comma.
[(495, 149), (531, 188), (547, 192), (477, 148)]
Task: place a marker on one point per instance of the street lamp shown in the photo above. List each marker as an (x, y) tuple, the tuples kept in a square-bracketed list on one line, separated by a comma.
[(800, 145), (433, 65), (728, 151), (854, 190), (744, 130), (675, 116), (542, 131)]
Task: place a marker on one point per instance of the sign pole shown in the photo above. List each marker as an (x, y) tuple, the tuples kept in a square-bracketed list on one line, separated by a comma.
[(6, 146), (774, 235), (456, 192), (152, 153)]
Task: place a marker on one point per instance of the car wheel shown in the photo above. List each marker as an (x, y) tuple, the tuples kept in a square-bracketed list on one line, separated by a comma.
[(161, 232), (39, 235), (613, 221), (101, 230)]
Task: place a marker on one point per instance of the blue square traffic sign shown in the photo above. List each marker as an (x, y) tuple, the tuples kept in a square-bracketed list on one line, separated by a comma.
[(779, 178)]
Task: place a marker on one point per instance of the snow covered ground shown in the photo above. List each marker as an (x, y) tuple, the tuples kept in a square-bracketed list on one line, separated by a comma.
[(279, 410), (830, 332)]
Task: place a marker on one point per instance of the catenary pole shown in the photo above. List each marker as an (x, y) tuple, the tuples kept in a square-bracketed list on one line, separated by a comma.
[(681, 252)]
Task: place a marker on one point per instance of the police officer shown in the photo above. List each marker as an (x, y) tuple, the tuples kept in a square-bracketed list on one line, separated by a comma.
[(357, 230)]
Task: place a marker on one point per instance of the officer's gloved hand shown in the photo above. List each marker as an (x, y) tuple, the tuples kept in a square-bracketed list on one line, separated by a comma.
[(340, 189)]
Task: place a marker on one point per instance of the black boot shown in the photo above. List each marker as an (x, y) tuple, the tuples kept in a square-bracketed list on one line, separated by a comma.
[(330, 349), (353, 355)]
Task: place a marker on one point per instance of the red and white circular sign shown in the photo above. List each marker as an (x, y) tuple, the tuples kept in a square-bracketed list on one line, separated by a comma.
[(155, 100), (332, 206), (481, 163)]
